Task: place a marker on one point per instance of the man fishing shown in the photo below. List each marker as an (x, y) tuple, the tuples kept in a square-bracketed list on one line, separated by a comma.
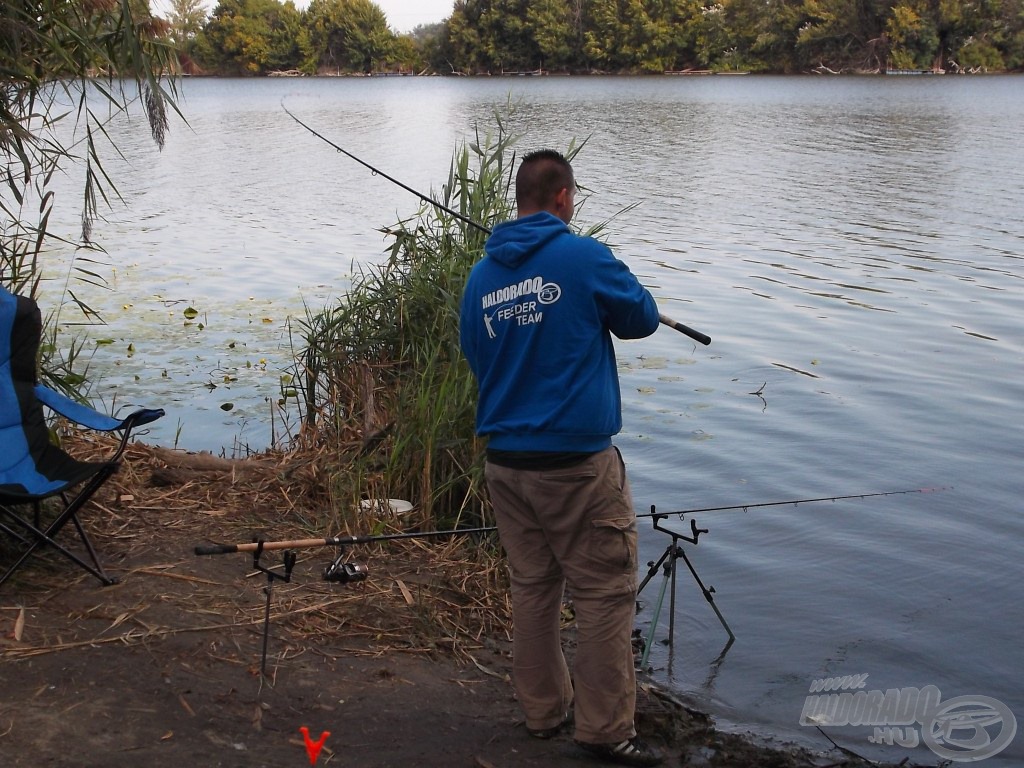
[(537, 318)]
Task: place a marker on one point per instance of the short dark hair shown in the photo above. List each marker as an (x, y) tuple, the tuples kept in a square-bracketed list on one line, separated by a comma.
[(542, 175)]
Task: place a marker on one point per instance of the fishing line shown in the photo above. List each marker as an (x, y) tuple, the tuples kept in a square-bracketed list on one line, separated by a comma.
[(703, 338)]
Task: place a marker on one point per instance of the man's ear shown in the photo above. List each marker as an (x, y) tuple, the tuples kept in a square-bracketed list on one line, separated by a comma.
[(563, 202)]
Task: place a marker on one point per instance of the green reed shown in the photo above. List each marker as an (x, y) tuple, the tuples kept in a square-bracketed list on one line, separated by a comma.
[(387, 396)]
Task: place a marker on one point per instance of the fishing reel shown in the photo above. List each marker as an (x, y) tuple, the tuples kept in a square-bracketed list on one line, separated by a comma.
[(345, 572)]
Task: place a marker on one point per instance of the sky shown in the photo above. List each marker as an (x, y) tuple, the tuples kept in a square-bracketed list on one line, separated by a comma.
[(404, 15)]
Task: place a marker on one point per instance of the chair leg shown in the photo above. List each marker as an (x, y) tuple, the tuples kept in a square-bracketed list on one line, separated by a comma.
[(87, 542), (46, 537), (43, 537)]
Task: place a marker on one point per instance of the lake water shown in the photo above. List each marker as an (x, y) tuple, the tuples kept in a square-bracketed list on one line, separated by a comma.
[(854, 248)]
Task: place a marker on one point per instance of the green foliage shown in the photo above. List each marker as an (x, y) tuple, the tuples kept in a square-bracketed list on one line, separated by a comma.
[(764, 34), (637, 36), (714, 38), (727, 35), (465, 45), (250, 37), (187, 18), (845, 34), (622, 35), (347, 35), (405, 56), (508, 37), (387, 392), (913, 36), (1008, 33), (555, 33), (331, 36), (979, 55), (988, 36)]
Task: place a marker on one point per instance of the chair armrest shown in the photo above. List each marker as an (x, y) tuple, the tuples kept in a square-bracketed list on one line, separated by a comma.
[(142, 416), (88, 417)]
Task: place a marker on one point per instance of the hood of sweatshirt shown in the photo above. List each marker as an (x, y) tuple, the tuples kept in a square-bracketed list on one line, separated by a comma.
[(514, 242)]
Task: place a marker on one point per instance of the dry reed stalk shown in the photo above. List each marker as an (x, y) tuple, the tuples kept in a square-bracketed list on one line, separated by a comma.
[(420, 596)]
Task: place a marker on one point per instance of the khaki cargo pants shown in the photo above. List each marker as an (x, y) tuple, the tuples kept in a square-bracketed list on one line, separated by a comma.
[(573, 526)]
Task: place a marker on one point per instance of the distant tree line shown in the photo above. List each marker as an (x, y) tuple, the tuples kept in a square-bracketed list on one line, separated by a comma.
[(604, 36)]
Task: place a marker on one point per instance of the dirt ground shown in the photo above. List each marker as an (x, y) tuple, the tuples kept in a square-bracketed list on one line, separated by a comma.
[(163, 669)]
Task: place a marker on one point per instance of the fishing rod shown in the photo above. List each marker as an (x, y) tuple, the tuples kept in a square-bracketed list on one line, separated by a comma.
[(344, 541), (745, 507), (703, 338), (346, 571), (341, 571), (331, 541), (392, 179), (338, 571), (667, 563)]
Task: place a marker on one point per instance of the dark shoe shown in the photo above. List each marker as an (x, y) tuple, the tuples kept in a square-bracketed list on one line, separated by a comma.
[(630, 752), (550, 733)]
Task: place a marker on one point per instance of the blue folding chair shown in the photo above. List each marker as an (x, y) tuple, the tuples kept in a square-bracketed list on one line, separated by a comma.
[(32, 468)]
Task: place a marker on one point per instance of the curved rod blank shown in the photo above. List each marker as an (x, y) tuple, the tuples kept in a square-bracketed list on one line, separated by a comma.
[(665, 320)]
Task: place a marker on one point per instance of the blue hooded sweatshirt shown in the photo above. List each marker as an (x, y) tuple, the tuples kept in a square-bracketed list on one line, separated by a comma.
[(536, 320)]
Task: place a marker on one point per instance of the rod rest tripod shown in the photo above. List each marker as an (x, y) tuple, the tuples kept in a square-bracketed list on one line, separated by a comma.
[(339, 572), (288, 557), (667, 564)]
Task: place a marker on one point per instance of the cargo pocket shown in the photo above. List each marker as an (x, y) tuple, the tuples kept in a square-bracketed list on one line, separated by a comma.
[(613, 544), (580, 473)]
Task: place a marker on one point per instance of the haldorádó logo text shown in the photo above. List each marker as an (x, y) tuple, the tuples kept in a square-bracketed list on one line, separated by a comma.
[(962, 729)]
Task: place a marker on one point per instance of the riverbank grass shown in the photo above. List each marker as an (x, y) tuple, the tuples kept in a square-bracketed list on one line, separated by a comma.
[(386, 395)]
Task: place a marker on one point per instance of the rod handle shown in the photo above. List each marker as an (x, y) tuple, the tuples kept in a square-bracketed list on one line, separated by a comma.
[(703, 338), (216, 549)]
